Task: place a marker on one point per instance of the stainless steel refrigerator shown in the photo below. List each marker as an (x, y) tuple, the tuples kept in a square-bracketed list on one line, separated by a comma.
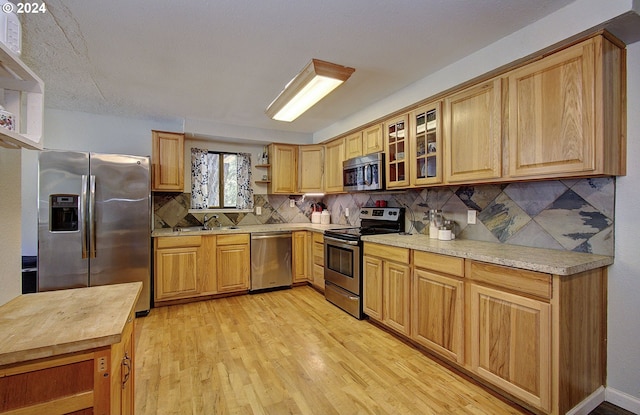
[(94, 221)]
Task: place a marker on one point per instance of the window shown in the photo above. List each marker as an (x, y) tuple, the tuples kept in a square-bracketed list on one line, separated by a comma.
[(220, 180)]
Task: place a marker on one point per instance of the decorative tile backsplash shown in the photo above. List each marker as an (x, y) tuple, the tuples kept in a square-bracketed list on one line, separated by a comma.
[(573, 215)]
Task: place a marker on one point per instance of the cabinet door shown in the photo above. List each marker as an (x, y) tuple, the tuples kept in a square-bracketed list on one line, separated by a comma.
[(397, 152), (372, 140), (437, 313), (207, 273), (473, 133), (176, 273), (300, 256), (310, 169), (397, 286), (283, 168), (167, 161), (334, 156), (122, 371), (511, 343), (372, 271), (551, 114), (233, 266), (353, 145), (426, 154)]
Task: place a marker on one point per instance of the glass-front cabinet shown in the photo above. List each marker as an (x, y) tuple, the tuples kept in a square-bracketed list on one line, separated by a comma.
[(397, 152), (426, 159)]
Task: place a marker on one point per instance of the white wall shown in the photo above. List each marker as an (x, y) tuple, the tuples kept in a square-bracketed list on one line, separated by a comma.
[(623, 363), (79, 131), (10, 261)]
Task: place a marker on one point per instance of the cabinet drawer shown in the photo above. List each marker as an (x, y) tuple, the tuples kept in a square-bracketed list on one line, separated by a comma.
[(318, 237), (318, 254), (391, 253), (518, 280), (178, 241), (439, 263), (233, 239)]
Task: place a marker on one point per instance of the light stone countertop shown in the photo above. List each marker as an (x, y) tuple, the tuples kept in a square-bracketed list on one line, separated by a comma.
[(276, 227), (54, 323), (534, 259)]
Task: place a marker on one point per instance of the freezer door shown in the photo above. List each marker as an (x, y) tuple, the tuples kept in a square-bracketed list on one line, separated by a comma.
[(120, 215), (62, 261)]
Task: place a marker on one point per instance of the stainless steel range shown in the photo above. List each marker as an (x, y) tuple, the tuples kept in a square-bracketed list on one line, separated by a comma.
[(343, 256)]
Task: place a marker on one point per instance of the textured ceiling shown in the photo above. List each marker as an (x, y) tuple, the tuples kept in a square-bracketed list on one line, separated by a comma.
[(224, 61)]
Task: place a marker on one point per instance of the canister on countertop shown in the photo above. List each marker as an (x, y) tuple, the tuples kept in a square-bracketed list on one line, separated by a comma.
[(325, 217), (435, 222)]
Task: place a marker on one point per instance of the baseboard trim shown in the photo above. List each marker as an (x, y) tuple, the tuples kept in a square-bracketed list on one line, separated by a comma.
[(590, 403), (623, 400)]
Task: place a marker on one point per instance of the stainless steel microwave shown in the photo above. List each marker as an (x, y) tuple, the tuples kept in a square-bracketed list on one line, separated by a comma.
[(364, 173)]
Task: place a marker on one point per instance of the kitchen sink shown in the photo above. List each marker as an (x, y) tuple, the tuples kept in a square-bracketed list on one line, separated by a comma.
[(189, 228)]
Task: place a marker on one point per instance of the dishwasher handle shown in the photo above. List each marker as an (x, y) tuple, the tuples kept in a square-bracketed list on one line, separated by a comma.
[(270, 235)]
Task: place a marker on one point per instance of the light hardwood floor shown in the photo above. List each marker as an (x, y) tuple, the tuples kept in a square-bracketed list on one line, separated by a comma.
[(289, 352)]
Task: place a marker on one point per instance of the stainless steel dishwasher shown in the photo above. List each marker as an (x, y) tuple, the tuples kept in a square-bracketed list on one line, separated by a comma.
[(270, 260)]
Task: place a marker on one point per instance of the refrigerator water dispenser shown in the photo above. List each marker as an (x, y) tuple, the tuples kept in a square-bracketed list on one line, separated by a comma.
[(64, 213)]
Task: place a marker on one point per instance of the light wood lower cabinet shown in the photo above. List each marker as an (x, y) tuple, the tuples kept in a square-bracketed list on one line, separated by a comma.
[(386, 285), (317, 256), (233, 262), (194, 266), (511, 343), (539, 337), (437, 307), (301, 252), (176, 271), (95, 381)]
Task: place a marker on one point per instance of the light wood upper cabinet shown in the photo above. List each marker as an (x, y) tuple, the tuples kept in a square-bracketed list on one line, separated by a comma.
[(233, 262), (334, 156), (565, 113), (373, 139), (284, 165), (473, 133), (353, 145), (167, 161), (426, 153), (311, 169), (397, 152)]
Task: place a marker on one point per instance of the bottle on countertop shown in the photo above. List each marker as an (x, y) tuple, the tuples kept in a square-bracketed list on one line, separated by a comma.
[(325, 217)]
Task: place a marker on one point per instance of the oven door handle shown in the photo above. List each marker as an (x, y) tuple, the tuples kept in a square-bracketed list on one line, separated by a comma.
[(340, 242)]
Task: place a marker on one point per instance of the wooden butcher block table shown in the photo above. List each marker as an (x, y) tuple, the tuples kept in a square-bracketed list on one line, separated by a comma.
[(69, 351)]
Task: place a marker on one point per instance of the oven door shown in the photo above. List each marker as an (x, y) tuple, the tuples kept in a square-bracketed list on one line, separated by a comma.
[(342, 263)]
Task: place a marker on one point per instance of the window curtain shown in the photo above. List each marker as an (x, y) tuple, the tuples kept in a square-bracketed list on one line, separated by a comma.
[(202, 167), (245, 192)]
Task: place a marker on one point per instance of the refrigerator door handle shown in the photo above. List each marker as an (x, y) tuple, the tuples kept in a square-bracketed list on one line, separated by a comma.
[(83, 215), (92, 218)]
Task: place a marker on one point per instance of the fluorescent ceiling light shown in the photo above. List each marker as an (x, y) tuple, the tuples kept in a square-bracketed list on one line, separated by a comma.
[(313, 83)]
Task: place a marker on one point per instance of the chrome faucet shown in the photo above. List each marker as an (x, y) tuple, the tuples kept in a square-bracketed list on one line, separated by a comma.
[(205, 221)]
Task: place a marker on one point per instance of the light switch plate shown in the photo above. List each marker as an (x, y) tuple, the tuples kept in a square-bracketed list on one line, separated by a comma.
[(346, 212), (471, 217), (258, 210), (292, 203)]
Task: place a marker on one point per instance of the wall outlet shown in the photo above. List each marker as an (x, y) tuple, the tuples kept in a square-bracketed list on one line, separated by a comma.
[(292, 203), (471, 217), (258, 210), (346, 212)]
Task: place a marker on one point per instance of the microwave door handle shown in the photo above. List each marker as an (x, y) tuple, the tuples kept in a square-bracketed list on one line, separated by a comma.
[(367, 175)]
